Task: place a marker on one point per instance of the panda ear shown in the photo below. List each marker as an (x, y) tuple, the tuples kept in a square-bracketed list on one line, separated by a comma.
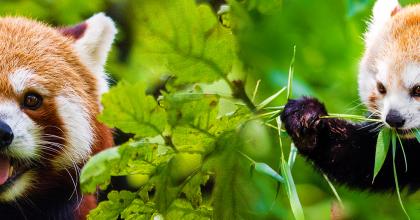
[(381, 13), (92, 40), (384, 10)]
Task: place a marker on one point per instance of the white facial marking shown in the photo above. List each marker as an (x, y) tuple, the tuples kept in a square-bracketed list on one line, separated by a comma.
[(411, 75), (78, 130), (23, 79), (398, 96), (26, 132), (19, 187)]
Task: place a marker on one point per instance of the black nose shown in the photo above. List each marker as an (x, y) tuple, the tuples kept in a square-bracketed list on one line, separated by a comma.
[(6, 134), (394, 119)]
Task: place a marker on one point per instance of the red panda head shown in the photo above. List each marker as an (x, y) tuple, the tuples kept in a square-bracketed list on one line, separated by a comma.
[(389, 76), (50, 83)]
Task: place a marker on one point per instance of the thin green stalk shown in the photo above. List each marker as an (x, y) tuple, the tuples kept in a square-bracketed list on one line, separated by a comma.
[(291, 70), (333, 190), (397, 187), (254, 94), (351, 117)]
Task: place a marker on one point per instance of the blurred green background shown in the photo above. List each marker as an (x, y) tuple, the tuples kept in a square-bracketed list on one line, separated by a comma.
[(328, 37)]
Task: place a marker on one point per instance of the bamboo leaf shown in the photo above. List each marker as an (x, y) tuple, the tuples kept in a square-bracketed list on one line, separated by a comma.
[(267, 170), (397, 187), (291, 191), (291, 70), (292, 155), (382, 147), (333, 189), (270, 99), (417, 133)]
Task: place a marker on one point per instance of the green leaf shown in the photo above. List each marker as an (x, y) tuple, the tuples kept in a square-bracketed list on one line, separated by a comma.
[(139, 210), (290, 188), (111, 209), (193, 109), (130, 158), (192, 189), (128, 108), (141, 158), (397, 186), (267, 170), (186, 39), (237, 194), (417, 133), (292, 155), (182, 209), (97, 171), (382, 147), (270, 99), (291, 71)]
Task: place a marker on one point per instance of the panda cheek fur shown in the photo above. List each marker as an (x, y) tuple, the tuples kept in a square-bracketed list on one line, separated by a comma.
[(372, 102), (52, 136)]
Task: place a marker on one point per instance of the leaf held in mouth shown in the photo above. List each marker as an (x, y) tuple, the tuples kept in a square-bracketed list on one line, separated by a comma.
[(382, 147)]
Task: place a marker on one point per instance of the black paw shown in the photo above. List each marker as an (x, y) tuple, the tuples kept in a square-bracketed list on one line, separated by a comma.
[(302, 120)]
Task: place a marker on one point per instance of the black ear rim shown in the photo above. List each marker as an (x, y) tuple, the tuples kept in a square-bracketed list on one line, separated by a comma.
[(76, 32)]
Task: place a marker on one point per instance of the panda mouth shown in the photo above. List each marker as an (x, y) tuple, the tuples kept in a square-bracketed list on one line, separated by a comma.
[(406, 133), (10, 171)]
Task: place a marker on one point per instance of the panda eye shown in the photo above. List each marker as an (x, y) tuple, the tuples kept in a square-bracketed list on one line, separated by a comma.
[(415, 91), (32, 101), (381, 88)]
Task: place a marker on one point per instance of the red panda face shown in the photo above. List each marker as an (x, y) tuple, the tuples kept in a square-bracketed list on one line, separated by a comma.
[(50, 85), (389, 78)]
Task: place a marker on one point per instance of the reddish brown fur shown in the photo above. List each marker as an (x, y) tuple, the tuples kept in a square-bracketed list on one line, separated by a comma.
[(75, 32)]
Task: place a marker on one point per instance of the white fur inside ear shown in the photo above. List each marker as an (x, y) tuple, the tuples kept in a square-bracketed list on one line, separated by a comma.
[(94, 45), (383, 9), (382, 13)]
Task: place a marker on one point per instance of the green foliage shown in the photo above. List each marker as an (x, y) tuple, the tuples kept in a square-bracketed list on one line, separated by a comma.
[(187, 147), (382, 147), (138, 114), (192, 45), (328, 38)]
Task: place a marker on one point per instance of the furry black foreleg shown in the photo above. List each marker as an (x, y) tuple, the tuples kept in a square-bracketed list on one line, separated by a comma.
[(345, 151)]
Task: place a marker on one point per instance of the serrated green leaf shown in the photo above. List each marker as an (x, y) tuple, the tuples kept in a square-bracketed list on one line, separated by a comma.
[(187, 40), (187, 139), (193, 109), (111, 209), (182, 209), (128, 108), (97, 171), (382, 147), (139, 210), (130, 158), (192, 189)]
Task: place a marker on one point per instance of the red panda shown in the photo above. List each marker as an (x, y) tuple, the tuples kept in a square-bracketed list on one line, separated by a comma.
[(389, 76), (389, 85), (51, 80)]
